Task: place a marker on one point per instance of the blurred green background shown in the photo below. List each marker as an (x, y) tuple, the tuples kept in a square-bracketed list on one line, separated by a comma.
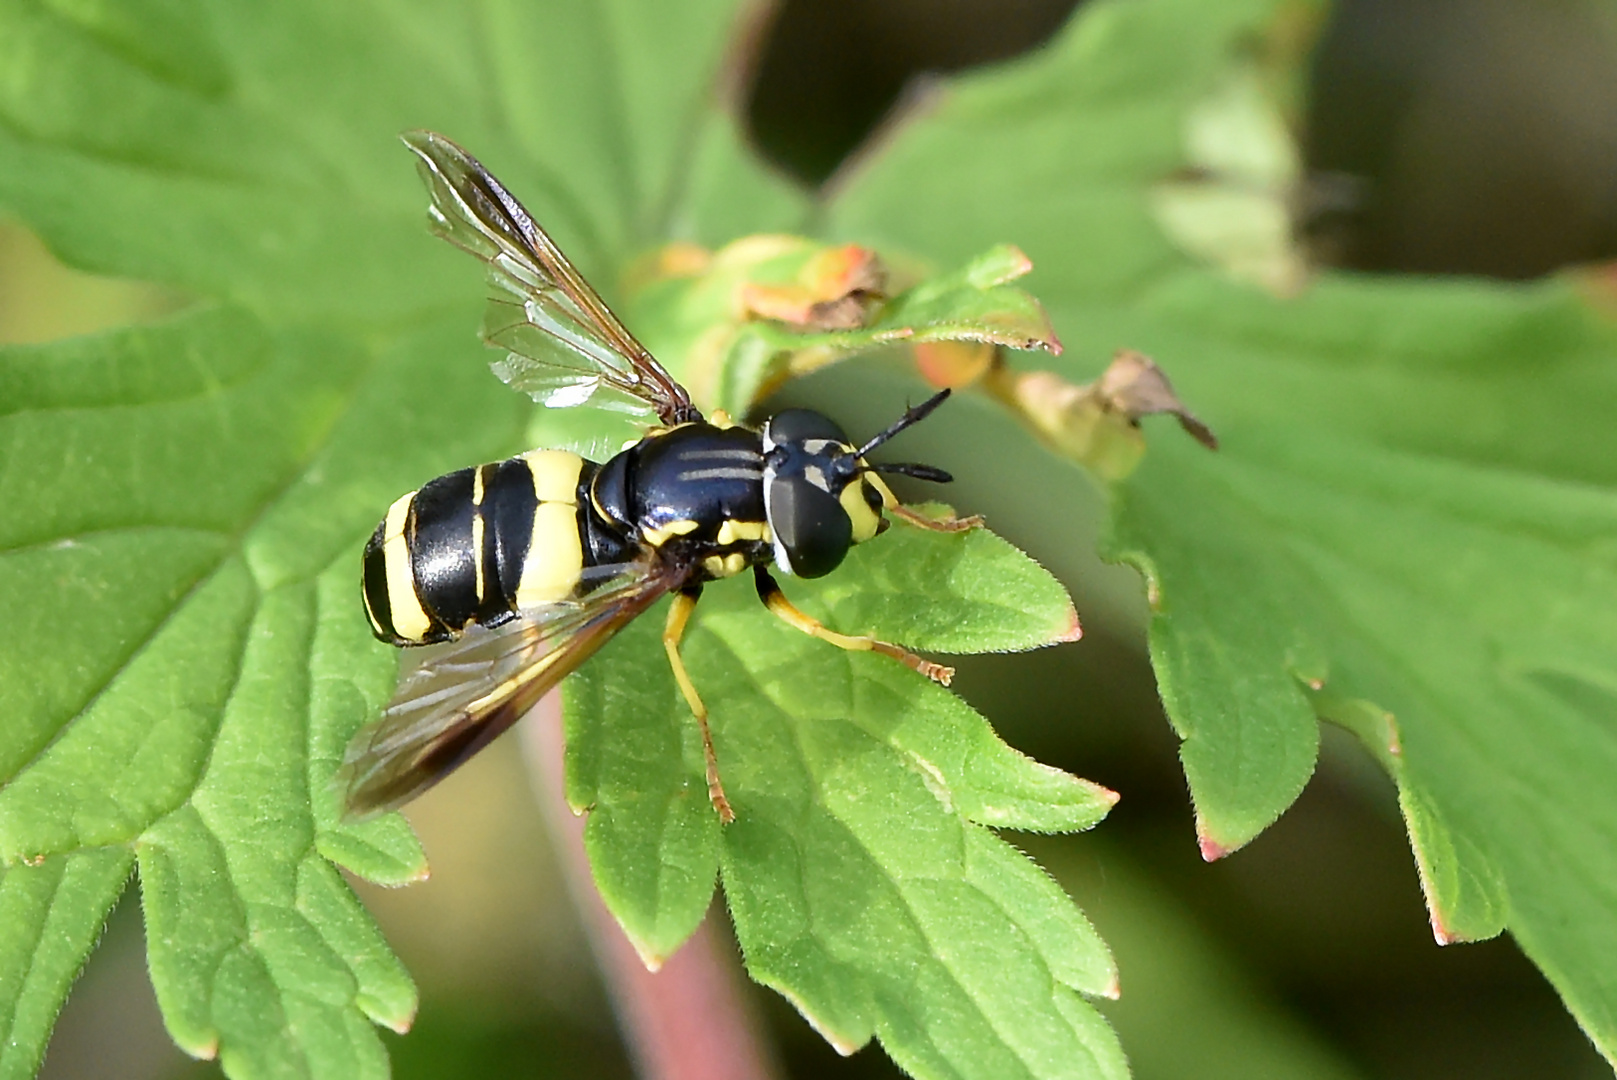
[(1483, 134)]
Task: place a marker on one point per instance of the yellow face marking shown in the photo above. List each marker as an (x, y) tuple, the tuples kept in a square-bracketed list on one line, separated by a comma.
[(888, 499), (660, 536), (410, 619), (866, 522), (555, 475), (731, 531), (555, 557)]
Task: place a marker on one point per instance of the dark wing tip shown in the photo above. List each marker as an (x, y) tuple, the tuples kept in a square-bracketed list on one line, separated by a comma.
[(375, 781), (429, 145), (362, 785), (425, 141)]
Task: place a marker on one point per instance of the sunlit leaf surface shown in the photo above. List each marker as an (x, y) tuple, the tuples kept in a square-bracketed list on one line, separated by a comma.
[(183, 654), (1408, 527)]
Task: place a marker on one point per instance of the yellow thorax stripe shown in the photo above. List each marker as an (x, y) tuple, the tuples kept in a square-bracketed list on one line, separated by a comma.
[(661, 535), (731, 531)]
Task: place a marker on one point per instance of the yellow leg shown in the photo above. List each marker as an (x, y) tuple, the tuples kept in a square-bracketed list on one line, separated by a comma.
[(775, 600), (673, 630), (948, 525)]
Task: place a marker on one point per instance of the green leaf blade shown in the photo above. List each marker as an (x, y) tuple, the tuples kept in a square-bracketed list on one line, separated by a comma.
[(1410, 509), (1434, 572), (205, 735), (219, 471), (634, 763), (861, 887), (55, 910), (964, 592), (874, 924), (1234, 690), (260, 980)]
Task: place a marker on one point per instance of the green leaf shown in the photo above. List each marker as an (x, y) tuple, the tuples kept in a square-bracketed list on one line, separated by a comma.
[(183, 655), (732, 357), (53, 911), (972, 303), (252, 154), (196, 549), (1407, 526), (1233, 203), (1053, 153), (861, 880)]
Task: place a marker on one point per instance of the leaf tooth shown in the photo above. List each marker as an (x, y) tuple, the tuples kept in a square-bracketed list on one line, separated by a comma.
[(206, 1050), (1442, 934), (653, 960), (844, 1046), (1073, 630), (378, 1010), (1212, 849)]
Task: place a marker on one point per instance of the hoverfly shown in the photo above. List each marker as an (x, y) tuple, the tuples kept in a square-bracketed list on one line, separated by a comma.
[(525, 567)]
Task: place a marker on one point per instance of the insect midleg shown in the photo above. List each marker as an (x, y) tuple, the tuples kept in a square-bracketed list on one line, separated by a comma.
[(678, 615), (775, 600)]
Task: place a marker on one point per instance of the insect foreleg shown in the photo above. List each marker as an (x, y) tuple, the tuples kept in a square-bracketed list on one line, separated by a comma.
[(775, 600), (945, 525), (678, 615)]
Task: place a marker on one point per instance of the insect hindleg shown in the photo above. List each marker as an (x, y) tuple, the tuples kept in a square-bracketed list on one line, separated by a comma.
[(775, 600), (678, 615)]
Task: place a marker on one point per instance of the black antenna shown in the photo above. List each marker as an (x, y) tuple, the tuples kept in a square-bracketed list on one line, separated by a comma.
[(911, 416), (919, 472)]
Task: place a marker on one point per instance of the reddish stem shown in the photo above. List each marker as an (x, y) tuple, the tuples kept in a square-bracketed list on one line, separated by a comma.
[(688, 1020)]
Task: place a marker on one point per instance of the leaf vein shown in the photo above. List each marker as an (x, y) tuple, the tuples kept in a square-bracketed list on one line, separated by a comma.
[(72, 540), (909, 909), (233, 548), (33, 960)]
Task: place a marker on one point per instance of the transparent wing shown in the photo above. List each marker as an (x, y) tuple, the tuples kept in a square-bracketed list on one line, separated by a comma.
[(462, 698), (563, 344)]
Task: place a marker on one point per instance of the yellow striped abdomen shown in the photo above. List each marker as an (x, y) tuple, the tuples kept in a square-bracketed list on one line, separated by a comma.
[(477, 546)]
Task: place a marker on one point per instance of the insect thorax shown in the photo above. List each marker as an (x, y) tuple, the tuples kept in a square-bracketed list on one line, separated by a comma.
[(695, 494)]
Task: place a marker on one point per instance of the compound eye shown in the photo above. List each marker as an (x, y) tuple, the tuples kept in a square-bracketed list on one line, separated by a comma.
[(811, 528), (800, 425)]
